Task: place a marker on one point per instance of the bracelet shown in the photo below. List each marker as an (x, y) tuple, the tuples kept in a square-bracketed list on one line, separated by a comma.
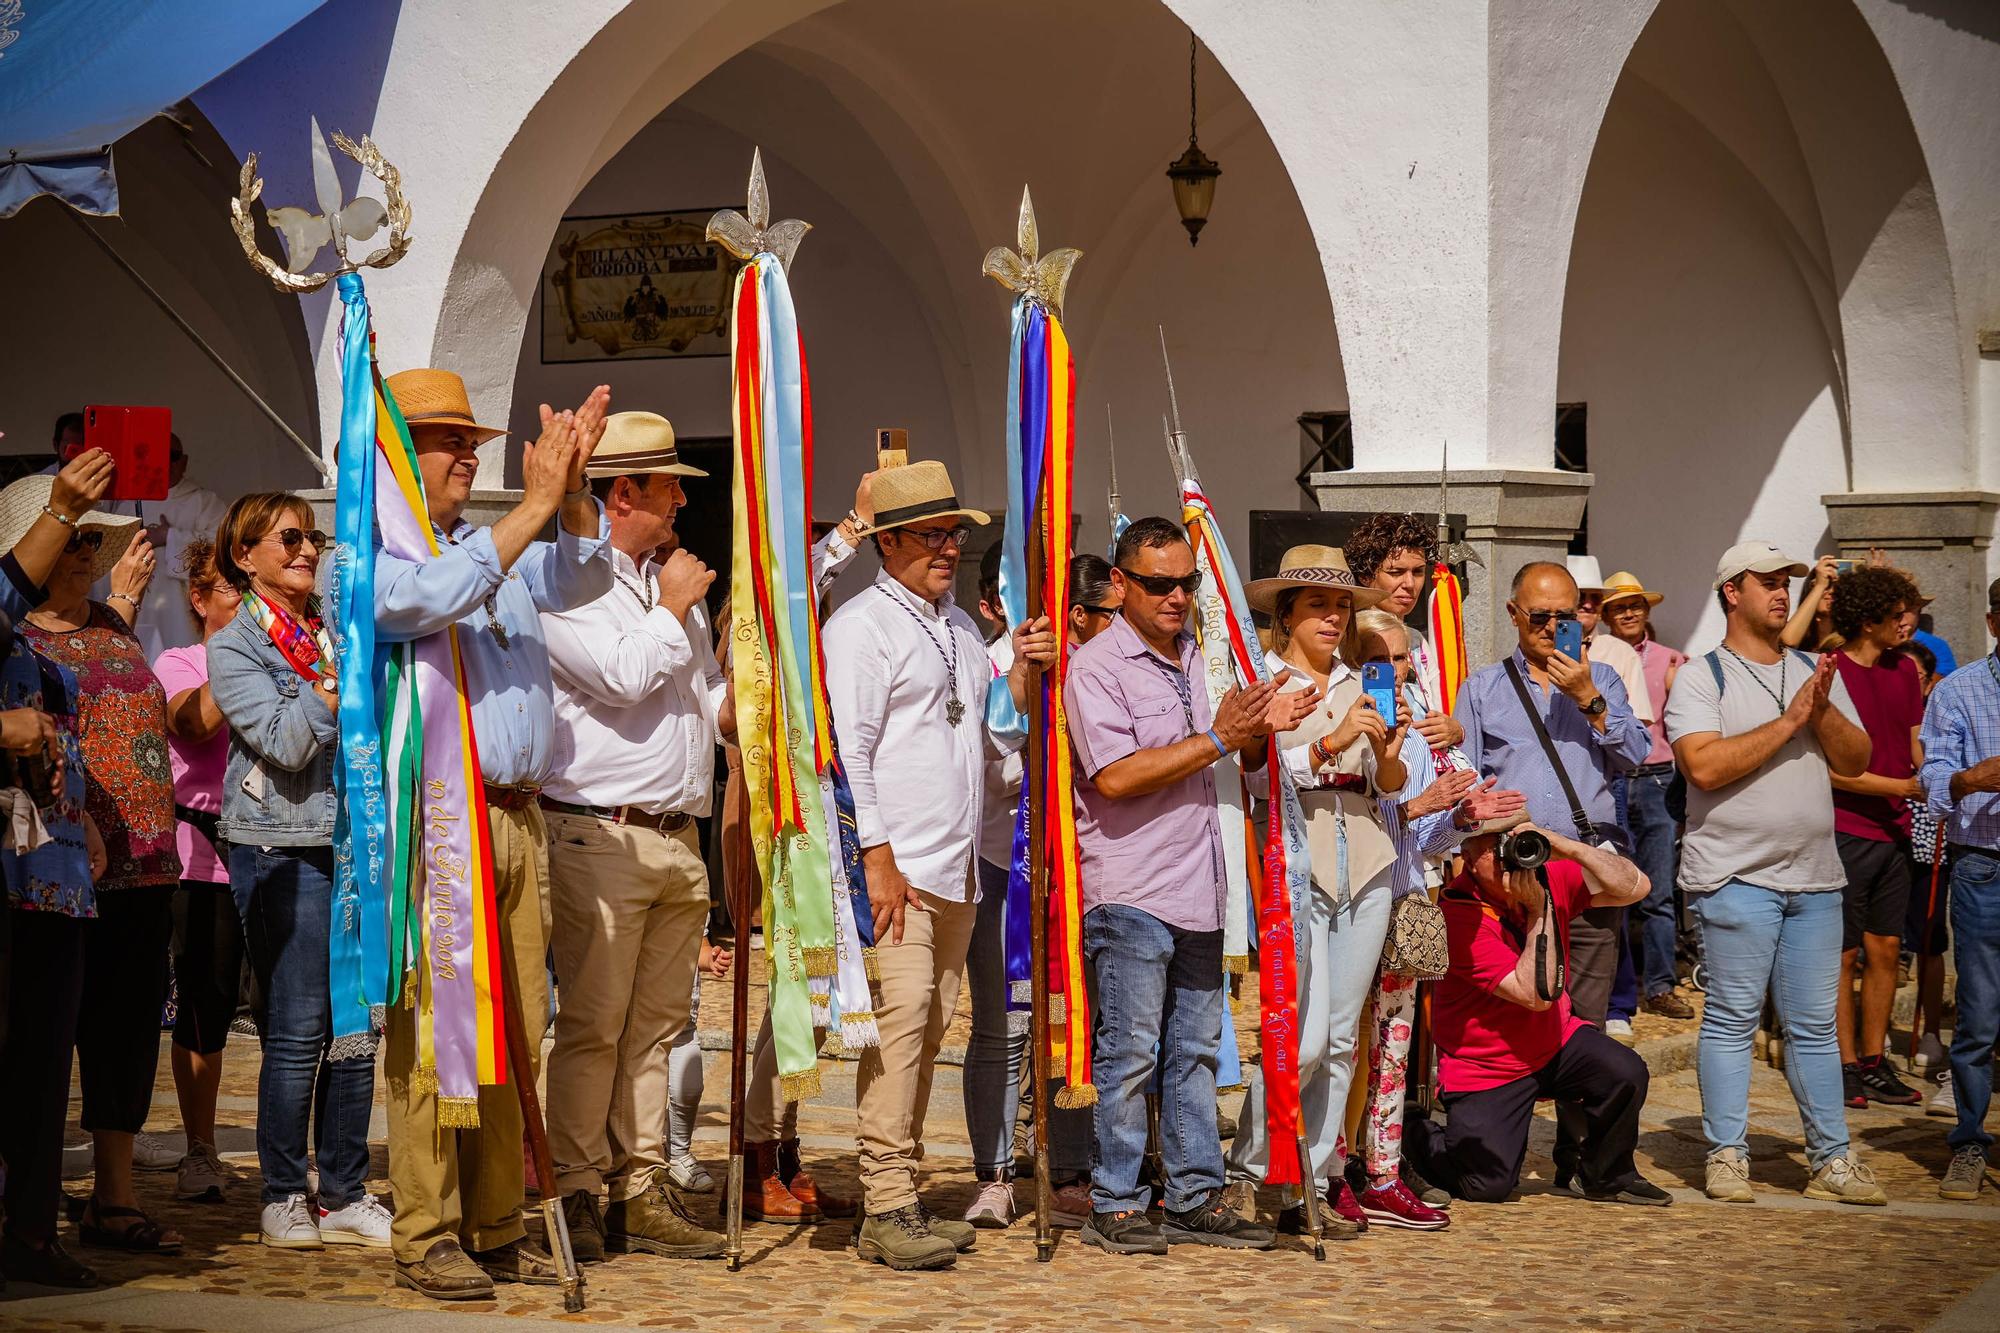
[(1221, 750), (124, 597), (63, 519)]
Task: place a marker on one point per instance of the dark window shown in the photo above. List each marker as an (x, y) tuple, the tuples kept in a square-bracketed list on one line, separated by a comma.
[(1326, 444), (1573, 455)]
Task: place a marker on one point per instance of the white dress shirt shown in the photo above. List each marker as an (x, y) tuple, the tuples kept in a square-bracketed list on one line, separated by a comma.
[(189, 511), (1003, 776), (917, 779)]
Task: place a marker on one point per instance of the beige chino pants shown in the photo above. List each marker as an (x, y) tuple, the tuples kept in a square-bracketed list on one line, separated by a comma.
[(916, 999), (629, 906)]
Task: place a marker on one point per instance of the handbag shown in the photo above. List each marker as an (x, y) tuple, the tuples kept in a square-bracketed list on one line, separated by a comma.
[(1415, 946)]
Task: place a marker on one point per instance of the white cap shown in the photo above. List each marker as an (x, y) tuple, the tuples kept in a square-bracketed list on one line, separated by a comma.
[(1756, 558), (1583, 569)]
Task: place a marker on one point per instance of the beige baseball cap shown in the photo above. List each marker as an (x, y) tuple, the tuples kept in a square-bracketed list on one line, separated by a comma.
[(1756, 558)]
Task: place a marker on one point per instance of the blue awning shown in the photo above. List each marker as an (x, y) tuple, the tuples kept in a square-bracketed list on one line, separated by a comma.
[(78, 75)]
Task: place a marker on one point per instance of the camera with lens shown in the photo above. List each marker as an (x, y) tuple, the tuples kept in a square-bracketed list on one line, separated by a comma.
[(1524, 849)]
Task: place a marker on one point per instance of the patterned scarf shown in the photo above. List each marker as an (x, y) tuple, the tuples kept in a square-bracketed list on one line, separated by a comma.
[(304, 645)]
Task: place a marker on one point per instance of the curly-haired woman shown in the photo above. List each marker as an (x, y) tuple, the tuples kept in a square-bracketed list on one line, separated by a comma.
[(1395, 552)]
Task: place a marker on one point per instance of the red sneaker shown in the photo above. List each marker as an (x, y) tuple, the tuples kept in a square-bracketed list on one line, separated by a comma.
[(1392, 1205), (1340, 1198)]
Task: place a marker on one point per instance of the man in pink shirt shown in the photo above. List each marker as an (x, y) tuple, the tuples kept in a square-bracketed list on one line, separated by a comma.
[(1505, 1034)]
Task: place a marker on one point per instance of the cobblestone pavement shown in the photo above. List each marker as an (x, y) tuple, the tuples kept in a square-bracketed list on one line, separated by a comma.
[(1541, 1261)]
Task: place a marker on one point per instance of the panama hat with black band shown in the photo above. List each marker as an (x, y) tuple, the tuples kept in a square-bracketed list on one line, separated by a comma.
[(638, 444), (913, 493)]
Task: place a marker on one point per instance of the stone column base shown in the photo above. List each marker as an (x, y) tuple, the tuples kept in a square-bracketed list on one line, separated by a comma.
[(1939, 536), (1512, 516)]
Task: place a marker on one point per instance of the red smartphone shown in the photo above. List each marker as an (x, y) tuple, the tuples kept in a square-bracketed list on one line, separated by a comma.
[(138, 440)]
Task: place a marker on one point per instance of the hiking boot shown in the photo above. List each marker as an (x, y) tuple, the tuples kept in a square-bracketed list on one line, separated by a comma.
[(1844, 1180), (49, 1266), (1669, 1004), (766, 1197), (1393, 1205), (201, 1178), (1210, 1222), (960, 1234), (1225, 1125), (1127, 1232), (900, 1239), (1965, 1174), (659, 1222), (1729, 1177), (445, 1274), (1881, 1084), (1851, 1091), (519, 1260), (993, 1206), (290, 1224), (807, 1190), (586, 1226)]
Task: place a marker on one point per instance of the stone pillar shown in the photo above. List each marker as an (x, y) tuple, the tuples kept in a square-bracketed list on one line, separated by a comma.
[(1939, 536), (1512, 516)]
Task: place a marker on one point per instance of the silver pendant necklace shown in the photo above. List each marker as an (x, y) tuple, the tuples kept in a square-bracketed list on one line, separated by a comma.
[(954, 708)]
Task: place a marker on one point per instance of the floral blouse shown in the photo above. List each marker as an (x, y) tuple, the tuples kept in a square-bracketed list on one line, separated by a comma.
[(121, 725)]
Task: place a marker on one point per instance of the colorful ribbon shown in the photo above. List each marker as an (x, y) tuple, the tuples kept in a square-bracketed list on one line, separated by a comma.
[(1447, 634)]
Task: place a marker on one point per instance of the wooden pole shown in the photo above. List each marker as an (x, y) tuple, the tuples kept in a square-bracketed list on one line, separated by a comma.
[(1038, 902), (553, 1221), (738, 894)]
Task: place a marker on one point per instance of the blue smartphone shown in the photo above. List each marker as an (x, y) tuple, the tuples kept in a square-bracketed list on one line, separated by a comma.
[(1378, 681), (1569, 639)]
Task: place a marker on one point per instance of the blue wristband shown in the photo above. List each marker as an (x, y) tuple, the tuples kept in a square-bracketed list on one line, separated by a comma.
[(1221, 750)]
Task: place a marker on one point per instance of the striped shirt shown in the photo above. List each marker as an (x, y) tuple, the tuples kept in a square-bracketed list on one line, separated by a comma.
[(1961, 728)]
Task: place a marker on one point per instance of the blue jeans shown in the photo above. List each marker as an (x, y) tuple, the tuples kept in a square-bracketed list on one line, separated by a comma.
[(1760, 941), (998, 1049), (1654, 850), (1156, 985), (285, 898), (1975, 943)]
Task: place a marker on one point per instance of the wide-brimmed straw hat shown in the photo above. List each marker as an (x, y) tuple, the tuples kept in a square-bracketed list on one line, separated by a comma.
[(1309, 567), (22, 503), (437, 398), (1625, 585), (638, 444), (915, 492)]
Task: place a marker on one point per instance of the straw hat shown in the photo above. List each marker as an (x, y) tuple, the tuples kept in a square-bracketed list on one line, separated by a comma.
[(638, 444), (21, 504), (1308, 567), (913, 493), (1623, 585), (437, 398)]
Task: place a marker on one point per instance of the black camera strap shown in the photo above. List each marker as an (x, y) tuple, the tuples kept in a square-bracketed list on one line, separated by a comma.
[(1542, 987), (1584, 831)]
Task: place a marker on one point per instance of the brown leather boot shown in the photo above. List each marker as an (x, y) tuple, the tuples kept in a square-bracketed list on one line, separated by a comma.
[(804, 1188), (765, 1198)]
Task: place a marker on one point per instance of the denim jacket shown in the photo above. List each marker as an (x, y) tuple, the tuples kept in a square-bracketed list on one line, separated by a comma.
[(278, 788)]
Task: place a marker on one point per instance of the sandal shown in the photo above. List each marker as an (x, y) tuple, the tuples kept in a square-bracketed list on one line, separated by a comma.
[(144, 1236)]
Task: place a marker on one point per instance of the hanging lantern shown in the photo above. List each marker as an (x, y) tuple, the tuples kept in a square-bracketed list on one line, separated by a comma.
[(1193, 172)]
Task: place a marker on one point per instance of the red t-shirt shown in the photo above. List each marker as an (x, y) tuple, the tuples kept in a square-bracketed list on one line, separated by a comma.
[(1889, 700), (1485, 1041)]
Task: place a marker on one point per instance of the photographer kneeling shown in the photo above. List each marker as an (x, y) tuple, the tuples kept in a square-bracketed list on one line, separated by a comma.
[(1501, 1019)]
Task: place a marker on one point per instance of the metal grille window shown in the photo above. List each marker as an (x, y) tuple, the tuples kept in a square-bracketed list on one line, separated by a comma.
[(1573, 455), (1326, 444)]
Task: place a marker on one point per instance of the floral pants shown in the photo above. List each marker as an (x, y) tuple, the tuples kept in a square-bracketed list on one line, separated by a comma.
[(1391, 1009)]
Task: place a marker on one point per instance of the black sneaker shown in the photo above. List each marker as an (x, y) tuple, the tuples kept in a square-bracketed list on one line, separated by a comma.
[(1851, 1090), (1130, 1232), (1880, 1084), (1637, 1190), (1211, 1222)]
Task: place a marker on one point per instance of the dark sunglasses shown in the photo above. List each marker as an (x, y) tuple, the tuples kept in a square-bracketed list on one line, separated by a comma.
[(291, 537), (1160, 585), (1096, 610), (935, 539), (1540, 619), (84, 541)]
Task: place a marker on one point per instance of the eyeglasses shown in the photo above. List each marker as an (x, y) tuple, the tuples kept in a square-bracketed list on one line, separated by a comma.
[(84, 541), (935, 539), (291, 537), (1540, 619), (1161, 585)]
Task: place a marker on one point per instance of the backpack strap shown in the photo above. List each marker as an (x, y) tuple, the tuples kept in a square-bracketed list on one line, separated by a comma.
[(1714, 659)]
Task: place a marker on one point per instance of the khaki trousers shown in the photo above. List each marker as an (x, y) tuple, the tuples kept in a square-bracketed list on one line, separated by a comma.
[(917, 997), (629, 906), (766, 1113), (469, 1184)]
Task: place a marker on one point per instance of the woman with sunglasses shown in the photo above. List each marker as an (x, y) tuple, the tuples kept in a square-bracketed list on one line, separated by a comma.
[(121, 721), (271, 671)]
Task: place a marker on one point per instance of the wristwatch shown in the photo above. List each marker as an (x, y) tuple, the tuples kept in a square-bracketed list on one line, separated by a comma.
[(1596, 707)]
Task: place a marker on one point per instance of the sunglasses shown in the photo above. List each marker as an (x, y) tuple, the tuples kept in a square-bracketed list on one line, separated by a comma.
[(1540, 619), (1096, 610), (1161, 585), (84, 541), (290, 538), (937, 538)]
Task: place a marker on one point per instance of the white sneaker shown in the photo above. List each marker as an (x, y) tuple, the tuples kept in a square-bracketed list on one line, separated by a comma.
[(1930, 1054), (363, 1222), (1943, 1102), (289, 1225), (690, 1175), (1844, 1180), (151, 1152), (1619, 1030), (993, 1206), (1729, 1177), (201, 1175)]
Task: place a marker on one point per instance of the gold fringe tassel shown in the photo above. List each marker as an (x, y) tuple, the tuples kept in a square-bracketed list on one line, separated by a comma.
[(458, 1113), (821, 962), (1058, 1010), (1070, 1096), (870, 965), (1237, 965), (798, 1087), (425, 1081)]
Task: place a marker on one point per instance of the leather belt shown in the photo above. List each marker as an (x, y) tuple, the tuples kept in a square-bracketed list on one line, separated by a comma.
[(1647, 770), (512, 796), (673, 821)]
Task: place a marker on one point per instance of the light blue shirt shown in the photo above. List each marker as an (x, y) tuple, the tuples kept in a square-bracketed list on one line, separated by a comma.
[(500, 631), (1961, 728)]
